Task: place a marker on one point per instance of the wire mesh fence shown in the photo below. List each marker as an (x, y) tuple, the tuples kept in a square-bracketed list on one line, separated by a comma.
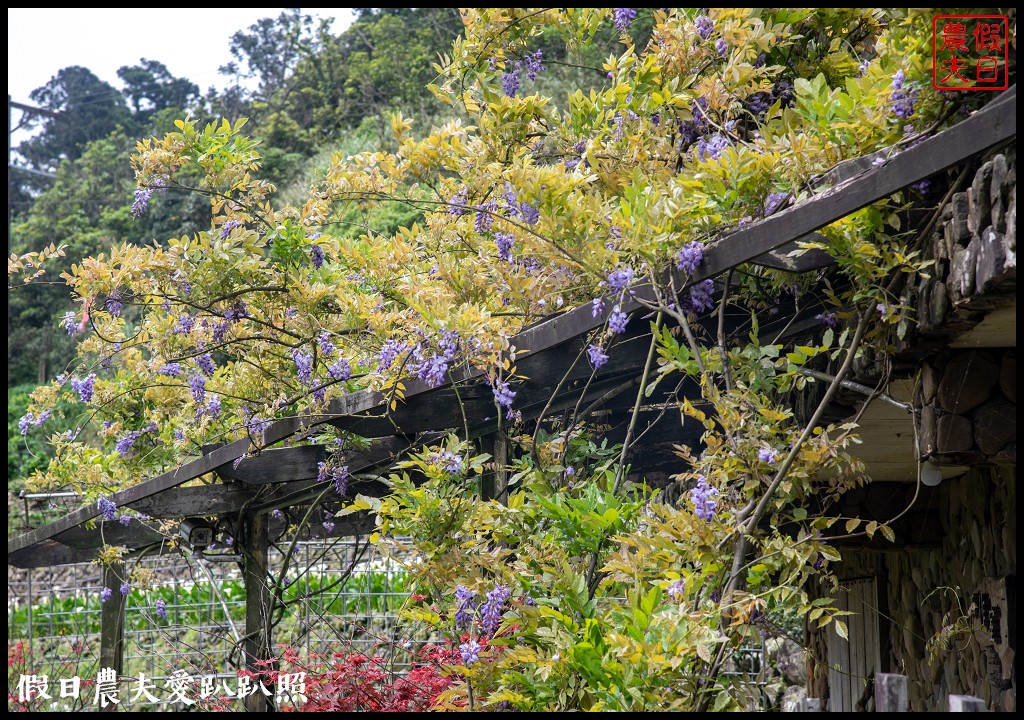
[(337, 596)]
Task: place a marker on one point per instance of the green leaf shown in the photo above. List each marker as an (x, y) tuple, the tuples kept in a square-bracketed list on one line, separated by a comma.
[(841, 630)]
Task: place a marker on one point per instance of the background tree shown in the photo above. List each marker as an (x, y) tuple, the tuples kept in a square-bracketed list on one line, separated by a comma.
[(87, 109), (150, 87)]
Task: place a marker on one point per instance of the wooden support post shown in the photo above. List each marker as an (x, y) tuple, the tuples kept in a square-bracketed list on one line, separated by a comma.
[(891, 694), (112, 624), (495, 486), (966, 703), (257, 603)]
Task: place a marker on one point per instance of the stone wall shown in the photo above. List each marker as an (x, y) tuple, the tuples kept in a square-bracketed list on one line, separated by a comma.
[(968, 404), (961, 592), (974, 246)]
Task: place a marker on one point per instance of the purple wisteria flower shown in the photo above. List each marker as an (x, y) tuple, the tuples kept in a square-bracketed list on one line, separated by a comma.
[(226, 228), (258, 426), (142, 196), (491, 611), (212, 409), (511, 198), (618, 320), (705, 26), (170, 370), (459, 198), (619, 280), (161, 608), (465, 600), (597, 306), (29, 419), (700, 297), (758, 103), (534, 65), (470, 652), (484, 220), (197, 384), (336, 473), (448, 344), (236, 312), (773, 202), (316, 256), (503, 394), (105, 594), (125, 519), (141, 202), (107, 508), (340, 369), (713, 147), (125, 589), (324, 341), (84, 387), (449, 462), (596, 356), (702, 499), (341, 479), (579, 150), (690, 256), (623, 18), (124, 444), (389, 353), (328, 526), (828, 319), (303, 364), (181, 280), (902, 100), (434, 370), (205, 364), (70, 323), (504, 242), (184, 324), (722, 47), (530, 214), (767, 455), (677, 589), (510, 82)]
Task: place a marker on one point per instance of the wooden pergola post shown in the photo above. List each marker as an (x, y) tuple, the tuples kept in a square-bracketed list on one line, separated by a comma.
[(495, 487), (112, 624), (256, 645)]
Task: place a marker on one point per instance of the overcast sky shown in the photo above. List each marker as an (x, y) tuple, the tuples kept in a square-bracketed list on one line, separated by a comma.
[(192, 43)]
